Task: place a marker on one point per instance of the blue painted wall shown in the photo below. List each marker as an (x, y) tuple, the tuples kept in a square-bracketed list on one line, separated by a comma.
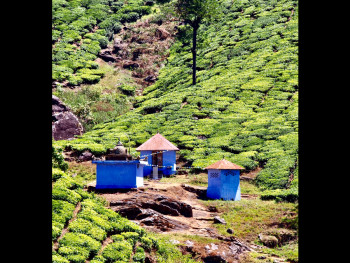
[(224, 184), (119, 174), (169, 159), (147, 170)]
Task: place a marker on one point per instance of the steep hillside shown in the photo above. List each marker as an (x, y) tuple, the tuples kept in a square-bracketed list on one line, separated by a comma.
[(244, 106), (80, 28)]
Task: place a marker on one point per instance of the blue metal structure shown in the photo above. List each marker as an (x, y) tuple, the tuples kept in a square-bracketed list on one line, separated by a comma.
[(223, 180), (119, 174), (224, 184)]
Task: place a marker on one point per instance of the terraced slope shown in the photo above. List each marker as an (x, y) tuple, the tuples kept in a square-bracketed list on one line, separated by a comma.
[(244, 106), (80, 28), (85, 230)]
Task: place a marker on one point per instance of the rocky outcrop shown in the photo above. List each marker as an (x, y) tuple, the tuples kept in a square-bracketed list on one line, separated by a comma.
[(201, 192), (107, 55), (65, 125), (86, 156), (151, 210), (269, 241), (219, 220)]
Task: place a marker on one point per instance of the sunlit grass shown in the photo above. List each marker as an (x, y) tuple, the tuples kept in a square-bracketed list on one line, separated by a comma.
[(248, 218)]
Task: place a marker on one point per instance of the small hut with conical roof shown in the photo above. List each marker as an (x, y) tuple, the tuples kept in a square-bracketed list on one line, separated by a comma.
[(223, 180), (160, 153)]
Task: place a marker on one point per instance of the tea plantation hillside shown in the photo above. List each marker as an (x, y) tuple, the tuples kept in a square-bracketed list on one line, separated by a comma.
[(80, 28), (84, 230), (244, 106)]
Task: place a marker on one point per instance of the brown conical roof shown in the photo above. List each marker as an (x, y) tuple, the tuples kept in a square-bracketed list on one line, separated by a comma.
[(224, 164), (157, 143)]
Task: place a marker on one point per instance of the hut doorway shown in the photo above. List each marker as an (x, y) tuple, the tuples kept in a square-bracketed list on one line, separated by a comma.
[(157, 158)]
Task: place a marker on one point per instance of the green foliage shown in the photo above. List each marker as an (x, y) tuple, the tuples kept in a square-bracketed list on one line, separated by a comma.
[(62, 211), (131, 237), (62, 193), (57, 174), (281, 195), (67, 182), (80, 240), (58, 161), (74, 25), (149, 243), (120, 250), (139, 255), (86, 227), (59, 259), (127, 90), (169, 253), (74, 253)]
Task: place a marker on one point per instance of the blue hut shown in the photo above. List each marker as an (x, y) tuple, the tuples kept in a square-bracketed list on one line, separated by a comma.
[(161, 155), (118, 170), (223, 180)]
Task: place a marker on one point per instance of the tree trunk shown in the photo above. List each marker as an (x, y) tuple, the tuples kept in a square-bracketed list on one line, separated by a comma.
[(194, 54)]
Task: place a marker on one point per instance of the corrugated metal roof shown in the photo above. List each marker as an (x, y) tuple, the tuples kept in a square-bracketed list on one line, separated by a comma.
[(224, 164), (157, 143)]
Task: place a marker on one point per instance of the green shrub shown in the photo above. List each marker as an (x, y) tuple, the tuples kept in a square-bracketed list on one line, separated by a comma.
[(127, 90), (117, 237), (68, 182), (58, 159), (139, 255), (59, 259), (60, 193), (281, 195), (120, 250), (80, 240), (131, 237), (98, 259), (57, 174), (97, 219), (74, 253), (62, 211)]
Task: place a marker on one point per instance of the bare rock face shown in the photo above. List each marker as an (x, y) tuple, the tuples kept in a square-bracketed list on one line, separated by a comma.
[(86, 156), (64, 123), (269, 241), (151, 210), (107, 55), (219, 220)]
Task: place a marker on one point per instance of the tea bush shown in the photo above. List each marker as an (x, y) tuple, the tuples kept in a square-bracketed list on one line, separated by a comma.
[(74, 25), (120, 250), (288, 195), (139, 255), (64, 194), (74, 254), (80, 240), (62, 211)]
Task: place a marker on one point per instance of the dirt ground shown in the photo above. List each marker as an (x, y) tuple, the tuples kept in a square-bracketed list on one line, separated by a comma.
[(200, 224)]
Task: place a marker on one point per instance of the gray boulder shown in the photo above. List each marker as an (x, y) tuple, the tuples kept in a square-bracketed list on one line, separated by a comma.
[(65, 125), (269, 241)]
